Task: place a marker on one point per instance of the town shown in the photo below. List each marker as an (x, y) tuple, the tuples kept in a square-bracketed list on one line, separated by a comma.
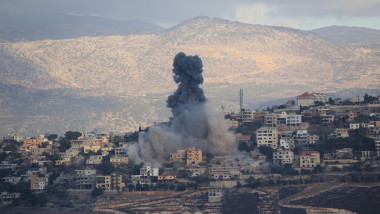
[(313, 139)]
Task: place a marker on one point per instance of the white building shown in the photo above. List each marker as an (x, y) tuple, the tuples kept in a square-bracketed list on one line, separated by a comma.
[(247, 116), (287, 143)]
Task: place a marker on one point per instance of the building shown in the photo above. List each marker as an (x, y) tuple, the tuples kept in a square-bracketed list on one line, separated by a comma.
[(240, 137), (15, 137), (377, 147), (119, 160), (270, 120), (85, 179), (145, 176), (293, 120), (7, 198), (224, 172), (234, 124), (302, 136), (309, 159), (341, 133), (267, 136), (247, 116), (215, 195), (354, 126), (110, 182), (179, 156), (38, 182), (166, 179), (94, 160), (308, 99), (282, 157), (193, 156), (287, 143), (13, 180), (31, 143)]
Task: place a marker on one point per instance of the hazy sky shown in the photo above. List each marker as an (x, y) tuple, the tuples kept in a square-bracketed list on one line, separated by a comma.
[(302, 14)]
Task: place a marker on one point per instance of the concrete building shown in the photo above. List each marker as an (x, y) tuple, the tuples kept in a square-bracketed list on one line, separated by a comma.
[(287, 143), (341, 133), (270, 120), (267, 136), (7, 198), (308, 99), (85, 179), (118, 160), (94, 160), (15, 137), (215, 195), (38, 183), (377, 147), (179, 156), (166, 179), (282, 157), (354, 126), (31, 143), (309, 159), (193, 156), (247, 116), (110, 182), (13, 180)]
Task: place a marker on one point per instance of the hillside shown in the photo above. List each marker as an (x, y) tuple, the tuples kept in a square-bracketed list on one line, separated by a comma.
[(268, 63), (349, 35)]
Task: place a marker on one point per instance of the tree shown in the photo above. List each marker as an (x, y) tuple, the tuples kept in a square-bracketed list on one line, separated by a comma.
[(52, 137), (64, 145), (70, 135), (331, 101), (106, 168), (267, 151)]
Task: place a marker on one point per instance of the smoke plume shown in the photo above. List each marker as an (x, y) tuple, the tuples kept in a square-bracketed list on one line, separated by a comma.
[(195, 122)]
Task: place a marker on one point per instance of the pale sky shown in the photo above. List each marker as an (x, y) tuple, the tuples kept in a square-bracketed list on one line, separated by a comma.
[(300, 14)]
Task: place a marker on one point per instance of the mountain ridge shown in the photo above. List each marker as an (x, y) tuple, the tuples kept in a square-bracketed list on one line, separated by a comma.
[(268, 63)]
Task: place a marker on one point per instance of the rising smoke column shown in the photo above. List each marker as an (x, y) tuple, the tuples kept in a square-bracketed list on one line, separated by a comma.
[(194, 120), (188, 73)]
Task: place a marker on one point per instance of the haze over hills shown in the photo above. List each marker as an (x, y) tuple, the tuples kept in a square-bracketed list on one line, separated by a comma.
[(64, 26), (349, 35), (119, 82)]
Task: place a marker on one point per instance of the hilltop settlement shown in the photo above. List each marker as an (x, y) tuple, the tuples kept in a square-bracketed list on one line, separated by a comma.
[(313, 143)]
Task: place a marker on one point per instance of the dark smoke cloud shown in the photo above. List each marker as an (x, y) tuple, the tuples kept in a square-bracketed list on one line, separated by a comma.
[(195, 123), (188, 73)]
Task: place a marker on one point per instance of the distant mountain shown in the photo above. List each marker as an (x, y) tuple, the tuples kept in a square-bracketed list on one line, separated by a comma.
[(268, 63), (349, 35), (64, 26)]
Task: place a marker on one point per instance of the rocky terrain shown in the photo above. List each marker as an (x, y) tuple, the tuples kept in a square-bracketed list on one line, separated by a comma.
[(122, 72)]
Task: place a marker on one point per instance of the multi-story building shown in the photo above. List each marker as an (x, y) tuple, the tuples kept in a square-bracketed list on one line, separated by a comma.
[(287, 142), (282, 157), (145, 176), (85, 179), (267, 136), (308, 99), (31, 143), (293, 120), (15, 137), (309, 159), (270, 120), (247, 116), (38, 182), (377, 147), (193, 156), (94, 160), (110, 182), (179, 156)]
